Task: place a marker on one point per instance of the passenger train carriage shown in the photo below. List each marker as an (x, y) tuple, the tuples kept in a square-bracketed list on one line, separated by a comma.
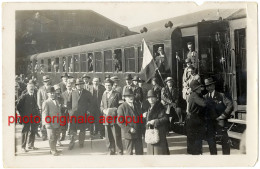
[(220, 45)]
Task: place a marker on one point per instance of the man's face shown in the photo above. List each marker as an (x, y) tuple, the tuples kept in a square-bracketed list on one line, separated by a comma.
[(129, 99), (210, 88), (58, 92), (47, 83), (51, 95), (190, 47), (64, 79), (69, 86), (30, 88), (169, 83), (152, 100), (85, 80), (135, 82), (95, 82), (108, 86), (189, 71), (140, 84), (128, 82)]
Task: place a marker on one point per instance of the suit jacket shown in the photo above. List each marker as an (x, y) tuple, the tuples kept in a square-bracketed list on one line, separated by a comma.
[(63, 87), (67, 101), (97, 100), (52, 110), (27, 105), (138, 93), (124, 111), (219, 105), (81, 103), (111, 102), (41, 96)]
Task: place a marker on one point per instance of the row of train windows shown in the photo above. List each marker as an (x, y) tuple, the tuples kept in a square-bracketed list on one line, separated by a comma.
[(93, 62)]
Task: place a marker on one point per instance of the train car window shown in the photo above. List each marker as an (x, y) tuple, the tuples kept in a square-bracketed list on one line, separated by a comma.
[(83, 62), (56, 65), (76, 63), (70, 64), (98, 62), (90, 62), (108, 61), (42, 66), (64, 68), (159, 56), (140, 58), (49, 65), (117, 58), (129, 59)]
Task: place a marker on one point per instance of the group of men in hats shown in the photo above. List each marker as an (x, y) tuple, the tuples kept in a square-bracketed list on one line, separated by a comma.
[(206, 116)]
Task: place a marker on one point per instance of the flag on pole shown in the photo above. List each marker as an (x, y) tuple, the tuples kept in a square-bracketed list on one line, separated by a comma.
[(149, 67)]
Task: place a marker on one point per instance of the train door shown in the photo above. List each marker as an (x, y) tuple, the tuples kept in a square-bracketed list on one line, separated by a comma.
[(241, 69), (214, 54)]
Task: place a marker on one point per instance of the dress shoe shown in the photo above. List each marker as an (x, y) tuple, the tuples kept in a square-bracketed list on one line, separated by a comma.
[(71, 147), (33, 148), (58, 151), (54, 153), (81, 145), (24, 150), (44, 138)]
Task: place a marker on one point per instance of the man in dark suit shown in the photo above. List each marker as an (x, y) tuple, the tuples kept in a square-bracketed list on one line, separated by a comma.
[(97, 90), (217, 114), (41, 97), (27, 106), (108, 106), (156, 88), (138, 92), (132, 131), (129, 83), (81, 106), (87, 81), (52, 108), (67, 98), (62, 84)]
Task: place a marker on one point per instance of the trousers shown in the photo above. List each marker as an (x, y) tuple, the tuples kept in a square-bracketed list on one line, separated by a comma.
[(29, 128), (134, 144), (114, 139), (53, 135)]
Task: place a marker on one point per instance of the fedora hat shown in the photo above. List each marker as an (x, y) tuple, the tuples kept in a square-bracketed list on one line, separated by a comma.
[(136, 78), (128, 92), (169, 79), (65, 75), (209, 81), (128, 77), (107, 77), (79, 82), (141, 80), (108, 81), (114, 78), (46, 78), (151, 94), (50, 89), (194, 85), (85, 76), (30, 82), (56, 87)]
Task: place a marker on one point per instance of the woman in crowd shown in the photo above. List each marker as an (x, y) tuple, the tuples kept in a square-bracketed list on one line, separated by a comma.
[(156, 118)]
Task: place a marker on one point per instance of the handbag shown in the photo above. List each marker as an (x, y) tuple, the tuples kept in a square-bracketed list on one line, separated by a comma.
[(152, 135)]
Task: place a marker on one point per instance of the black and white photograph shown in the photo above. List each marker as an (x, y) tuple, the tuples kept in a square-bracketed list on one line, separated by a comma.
[(159, 81)]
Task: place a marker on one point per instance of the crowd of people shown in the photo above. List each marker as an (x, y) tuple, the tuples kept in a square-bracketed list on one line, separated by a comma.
[(205, 117)]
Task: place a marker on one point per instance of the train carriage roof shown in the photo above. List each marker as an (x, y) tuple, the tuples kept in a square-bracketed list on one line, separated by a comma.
[(127, 41)]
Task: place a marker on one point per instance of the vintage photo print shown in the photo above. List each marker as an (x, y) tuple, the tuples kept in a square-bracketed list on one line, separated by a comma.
[(130, 84)]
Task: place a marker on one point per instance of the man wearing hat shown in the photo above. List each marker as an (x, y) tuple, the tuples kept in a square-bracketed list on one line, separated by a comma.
[(129, 83), (156, 88), (96, 90), (132, 131), (170, 99), (81, 106), (116, 86), (87, 81), (185, 75), (195, 124), (51, 110), (138, 92), (108, 106), (41, 97), (217, 114), (60, 99), (160, 59), (62, 84), (27, 106)]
